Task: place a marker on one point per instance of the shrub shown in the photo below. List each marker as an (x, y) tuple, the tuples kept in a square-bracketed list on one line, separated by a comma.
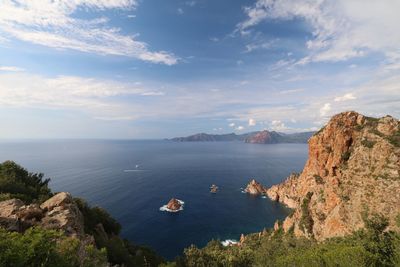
[(306, 221), (318, 179), (367, 143), (39, 247), (16, 182), (346, 156)]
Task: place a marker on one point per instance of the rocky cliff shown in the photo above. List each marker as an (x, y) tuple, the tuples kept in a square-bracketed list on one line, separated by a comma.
[(353, 169)]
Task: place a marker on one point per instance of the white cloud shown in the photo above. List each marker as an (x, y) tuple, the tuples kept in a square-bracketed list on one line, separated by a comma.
[(131, 16), (277, 125), (341, 29), (260, 45), (252, 122), (94, 96), (345, 97), (240, 128), (52, 24), (232, 124), (11, 68), (325, 109), (191, 3), (180, 11)]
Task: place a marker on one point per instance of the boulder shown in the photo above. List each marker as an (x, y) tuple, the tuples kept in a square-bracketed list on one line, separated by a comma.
[(255, 188), (174, 204)]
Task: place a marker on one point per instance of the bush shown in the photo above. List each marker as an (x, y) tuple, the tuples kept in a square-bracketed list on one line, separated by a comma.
[(373, 246), (318, 179), (95, 215), (346, 156), (39, 247), (16, 182), (306, 221), (367, 143)]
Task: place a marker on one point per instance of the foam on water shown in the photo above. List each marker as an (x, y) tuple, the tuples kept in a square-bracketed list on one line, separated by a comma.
[(164, 208), (229, 242)]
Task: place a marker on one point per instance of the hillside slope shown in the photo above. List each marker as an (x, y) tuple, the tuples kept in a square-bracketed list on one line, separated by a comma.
[(260, 137), (353, 170)]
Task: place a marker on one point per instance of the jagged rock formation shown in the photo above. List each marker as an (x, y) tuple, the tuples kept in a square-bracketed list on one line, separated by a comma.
[(174, 205), (255, 188), (59, 212), (353, 169)]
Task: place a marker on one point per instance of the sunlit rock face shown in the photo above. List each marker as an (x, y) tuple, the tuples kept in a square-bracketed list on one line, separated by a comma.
[(353, 163)]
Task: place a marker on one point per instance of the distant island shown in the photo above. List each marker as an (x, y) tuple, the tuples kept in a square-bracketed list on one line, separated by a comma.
[(259, 137)]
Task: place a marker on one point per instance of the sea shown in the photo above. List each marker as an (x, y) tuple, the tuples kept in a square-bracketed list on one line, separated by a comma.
[(132, 180)]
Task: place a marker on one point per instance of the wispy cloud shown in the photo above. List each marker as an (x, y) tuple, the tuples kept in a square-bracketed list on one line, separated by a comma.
[(52, 24), (346, 97), (11, 68), (341, 30)]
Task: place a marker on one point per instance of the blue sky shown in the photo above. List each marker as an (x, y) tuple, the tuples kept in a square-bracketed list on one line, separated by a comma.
[(164, 68)]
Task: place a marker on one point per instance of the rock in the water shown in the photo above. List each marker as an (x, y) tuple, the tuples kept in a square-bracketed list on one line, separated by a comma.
[(174, 204), (213, 189), (255, 188)]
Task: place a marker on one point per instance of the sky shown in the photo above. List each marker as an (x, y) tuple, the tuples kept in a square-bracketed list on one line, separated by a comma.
[(144, 69)]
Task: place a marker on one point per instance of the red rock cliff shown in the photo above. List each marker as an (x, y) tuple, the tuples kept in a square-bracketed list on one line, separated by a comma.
[(353, 166)]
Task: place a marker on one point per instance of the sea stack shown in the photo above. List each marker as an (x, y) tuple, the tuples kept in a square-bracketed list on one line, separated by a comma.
[(213, 189), (255, 188), (174, 205)]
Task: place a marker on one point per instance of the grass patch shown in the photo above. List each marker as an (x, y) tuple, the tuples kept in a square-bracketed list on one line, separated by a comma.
[(346, 156), (368, 143), (318, 179)]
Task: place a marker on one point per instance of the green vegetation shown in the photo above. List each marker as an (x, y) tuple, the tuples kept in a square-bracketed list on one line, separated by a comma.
[(318, 179), (373, 246), (346, 156), (306, 221), (38, 247), (367, 143), (16, 182), (395, 139)]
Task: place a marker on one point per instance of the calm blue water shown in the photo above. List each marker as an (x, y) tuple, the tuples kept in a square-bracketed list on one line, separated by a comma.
[(94, 170)]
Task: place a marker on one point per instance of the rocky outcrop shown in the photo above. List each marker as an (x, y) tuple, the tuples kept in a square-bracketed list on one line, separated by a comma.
[(263, 137), (59, 212), (255, 188), (353, 168), (174, 205)]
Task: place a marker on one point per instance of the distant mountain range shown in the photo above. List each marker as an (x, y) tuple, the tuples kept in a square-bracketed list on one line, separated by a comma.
[(260, 137)]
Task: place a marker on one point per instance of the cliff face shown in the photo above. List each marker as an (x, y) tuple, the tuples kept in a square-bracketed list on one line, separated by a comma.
[(353, 168)]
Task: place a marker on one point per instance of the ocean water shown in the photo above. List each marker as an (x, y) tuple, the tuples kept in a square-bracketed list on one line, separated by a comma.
[(105, 174)]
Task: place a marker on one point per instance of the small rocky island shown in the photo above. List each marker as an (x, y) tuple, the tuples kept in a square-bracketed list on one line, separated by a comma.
[(255, 188), (174, 205), (213, 189)]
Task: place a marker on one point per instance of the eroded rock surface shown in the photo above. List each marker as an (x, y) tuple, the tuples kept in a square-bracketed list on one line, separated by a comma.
[(353, 163)]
